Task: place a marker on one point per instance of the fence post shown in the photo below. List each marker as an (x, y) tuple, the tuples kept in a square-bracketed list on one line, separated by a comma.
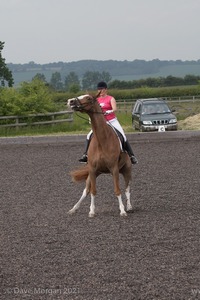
[(17, 122), (52, 118)]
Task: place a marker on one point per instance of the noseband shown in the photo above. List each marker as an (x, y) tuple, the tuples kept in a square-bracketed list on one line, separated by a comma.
[(82, 106)]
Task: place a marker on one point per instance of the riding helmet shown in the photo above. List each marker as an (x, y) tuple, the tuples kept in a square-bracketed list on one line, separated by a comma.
[(102, 85)]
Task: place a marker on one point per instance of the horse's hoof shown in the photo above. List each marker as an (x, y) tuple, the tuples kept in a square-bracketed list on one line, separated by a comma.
[(129, 210), (91, 215), (124, 214), (71, 212)]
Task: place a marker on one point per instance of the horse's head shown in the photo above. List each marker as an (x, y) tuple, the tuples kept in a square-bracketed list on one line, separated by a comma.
[(84, 103)]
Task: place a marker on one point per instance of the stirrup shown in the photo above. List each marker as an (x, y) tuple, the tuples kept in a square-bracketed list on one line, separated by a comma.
[(83, 159)]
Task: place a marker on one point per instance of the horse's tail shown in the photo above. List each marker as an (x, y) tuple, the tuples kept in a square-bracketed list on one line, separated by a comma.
[(80, 174)]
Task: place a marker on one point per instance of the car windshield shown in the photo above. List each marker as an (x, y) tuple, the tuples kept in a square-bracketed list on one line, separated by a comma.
[(154, 108)]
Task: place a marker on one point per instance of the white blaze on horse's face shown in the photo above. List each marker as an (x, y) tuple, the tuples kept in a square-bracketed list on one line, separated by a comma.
[(83, 96), (73, 102)]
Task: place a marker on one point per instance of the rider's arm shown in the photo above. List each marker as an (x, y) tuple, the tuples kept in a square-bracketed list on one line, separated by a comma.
[(113, 104)]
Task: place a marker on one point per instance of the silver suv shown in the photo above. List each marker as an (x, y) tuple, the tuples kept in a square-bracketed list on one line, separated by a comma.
[(153, 114)]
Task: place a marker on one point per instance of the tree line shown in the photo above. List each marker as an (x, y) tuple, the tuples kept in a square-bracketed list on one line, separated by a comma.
[(116, 68), (72, 83), (168, 81)]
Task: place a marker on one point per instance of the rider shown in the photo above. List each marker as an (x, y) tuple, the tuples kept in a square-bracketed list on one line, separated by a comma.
[(109, 106)]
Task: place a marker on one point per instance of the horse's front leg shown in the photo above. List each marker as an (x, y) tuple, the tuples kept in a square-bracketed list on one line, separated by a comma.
[(121, 206), (128, 197)]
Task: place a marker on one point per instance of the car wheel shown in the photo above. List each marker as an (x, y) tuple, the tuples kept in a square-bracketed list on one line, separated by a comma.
[(133, 125), (140, 128)]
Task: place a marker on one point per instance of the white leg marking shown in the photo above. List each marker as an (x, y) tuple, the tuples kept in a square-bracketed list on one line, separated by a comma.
[(77, 205), (128, 197), (92, 206), (121, 206)]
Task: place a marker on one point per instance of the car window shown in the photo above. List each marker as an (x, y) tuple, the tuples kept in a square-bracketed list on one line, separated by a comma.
[(164, 108), (147, 109), (155, 108), (137, 108)]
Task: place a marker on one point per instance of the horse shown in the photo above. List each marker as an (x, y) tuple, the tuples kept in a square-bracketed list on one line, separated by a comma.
[(105, 155)]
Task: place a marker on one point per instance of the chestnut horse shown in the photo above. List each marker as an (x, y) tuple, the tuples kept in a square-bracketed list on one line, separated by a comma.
[(104, 155)]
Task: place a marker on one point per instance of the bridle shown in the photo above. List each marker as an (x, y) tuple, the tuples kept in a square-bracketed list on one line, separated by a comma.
[(82, 106)]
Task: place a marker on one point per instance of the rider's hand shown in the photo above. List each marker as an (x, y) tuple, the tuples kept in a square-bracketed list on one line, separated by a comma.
[(107, 112)]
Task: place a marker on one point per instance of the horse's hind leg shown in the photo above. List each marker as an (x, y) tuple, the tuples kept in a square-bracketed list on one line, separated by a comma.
[(126, 172), (83, 196), (77, 205), (93, 193)]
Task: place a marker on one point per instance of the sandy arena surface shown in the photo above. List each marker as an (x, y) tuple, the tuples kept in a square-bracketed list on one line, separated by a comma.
[(153, 253)]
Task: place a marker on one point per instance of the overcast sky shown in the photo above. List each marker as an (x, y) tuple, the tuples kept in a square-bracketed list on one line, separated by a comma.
[(46, 31)]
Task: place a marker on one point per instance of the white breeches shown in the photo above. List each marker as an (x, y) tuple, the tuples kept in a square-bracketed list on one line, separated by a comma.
[(115, 123), (89, 134)]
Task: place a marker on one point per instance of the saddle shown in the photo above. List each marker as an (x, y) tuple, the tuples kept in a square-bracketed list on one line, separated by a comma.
[(120, 137)]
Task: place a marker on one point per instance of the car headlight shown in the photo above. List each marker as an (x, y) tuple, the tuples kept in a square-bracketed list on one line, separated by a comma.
[(172, 121), (147, 122)]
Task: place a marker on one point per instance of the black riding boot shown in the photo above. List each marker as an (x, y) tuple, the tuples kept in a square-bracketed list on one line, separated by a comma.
[(84, 157), (129, 150)]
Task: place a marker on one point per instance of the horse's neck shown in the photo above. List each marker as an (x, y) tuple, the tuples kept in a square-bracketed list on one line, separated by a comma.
[(99, 126)]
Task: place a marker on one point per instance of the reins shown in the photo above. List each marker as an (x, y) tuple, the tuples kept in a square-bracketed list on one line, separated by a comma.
[(80, 116)]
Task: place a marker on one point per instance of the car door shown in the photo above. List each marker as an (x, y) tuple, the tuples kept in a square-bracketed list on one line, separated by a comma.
[(136, 116)]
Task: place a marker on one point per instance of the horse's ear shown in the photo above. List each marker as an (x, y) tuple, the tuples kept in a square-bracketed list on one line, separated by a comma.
[(98, 94)]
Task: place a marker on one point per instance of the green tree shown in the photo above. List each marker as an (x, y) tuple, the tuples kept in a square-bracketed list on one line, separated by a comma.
[(105, 76), (40, 76), (5, 73), (173, 81), (90, 79), (30, 98), (71, 80), (191, 79), (74, 88), (35, 97), (9, 102), (56, 81)]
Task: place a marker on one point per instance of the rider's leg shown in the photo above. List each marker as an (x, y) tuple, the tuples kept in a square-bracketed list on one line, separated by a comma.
[(127, 146), (87, 143), (129, 150)]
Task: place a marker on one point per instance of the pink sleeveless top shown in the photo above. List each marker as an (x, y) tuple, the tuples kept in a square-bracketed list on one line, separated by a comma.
[(105, 103)]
